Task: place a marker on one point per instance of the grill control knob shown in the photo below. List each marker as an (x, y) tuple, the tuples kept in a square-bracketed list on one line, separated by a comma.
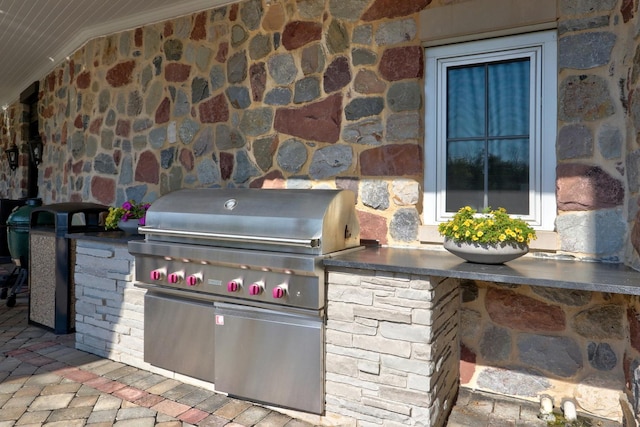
[(194, 279), (157, 274), (234, 285), (279, 291), (256, 288), (175, 277)]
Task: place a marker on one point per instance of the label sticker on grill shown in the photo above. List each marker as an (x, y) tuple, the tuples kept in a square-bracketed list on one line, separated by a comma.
[(214, 282), (219, 319)]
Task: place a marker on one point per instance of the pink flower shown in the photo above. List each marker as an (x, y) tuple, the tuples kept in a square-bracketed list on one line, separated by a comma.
[(141, 221), (127, 206)]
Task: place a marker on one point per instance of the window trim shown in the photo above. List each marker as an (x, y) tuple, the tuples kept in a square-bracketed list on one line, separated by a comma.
[(544, 132)]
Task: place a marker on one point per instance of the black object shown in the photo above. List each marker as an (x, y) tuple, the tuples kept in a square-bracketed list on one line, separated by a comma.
[(6, 207)]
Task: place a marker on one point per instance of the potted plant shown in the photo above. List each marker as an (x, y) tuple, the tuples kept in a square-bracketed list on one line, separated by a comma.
[(127, 217), (491, 237)]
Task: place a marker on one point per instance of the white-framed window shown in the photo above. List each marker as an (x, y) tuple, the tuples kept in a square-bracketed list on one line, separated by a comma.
[(490, 127)]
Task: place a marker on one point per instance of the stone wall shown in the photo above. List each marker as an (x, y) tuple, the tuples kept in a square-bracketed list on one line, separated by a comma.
[(292, 94), (391, 347), (526, 341), (319, 93)]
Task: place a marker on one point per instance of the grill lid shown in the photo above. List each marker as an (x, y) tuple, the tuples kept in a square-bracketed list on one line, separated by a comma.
[(296, 220)]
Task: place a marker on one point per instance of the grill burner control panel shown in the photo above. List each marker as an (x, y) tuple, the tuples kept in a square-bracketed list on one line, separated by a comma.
[(249, 282)]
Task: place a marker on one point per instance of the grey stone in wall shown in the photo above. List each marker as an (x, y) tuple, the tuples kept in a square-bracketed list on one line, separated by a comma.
[(239, 96), (404, 225), (203, 55), (244, 169), (217, 77), (600, 322), (580, 24), (307, 89), (585, 50), (513, 382), (310, 9), (404, 96), (154, 96), (259, 46), (282, 68), (103, 163), (610, 142), (139, 142), (362, 34), (632, 166), (600, 232), (91, 146), (136, 192), (361, 56), (330, 161), (158, 136), (495, 344), (574, 142), (375, 194), (585, 98), (142, 124), (199, 90), (251, 13), (278, 96), (558, 355), (256, 122), (77, 145), (337, 37), (203, 143), (188, 130), (134, 106), (347, 10), (208, 172), (292, 155), (470, 324), (363, 107), (403, 126), (582, 7), (601, 356), (368, 132), (238, 35), (237, 67), (572, 297), (166, 157), (227, 138), (126, 171), (395, 32)]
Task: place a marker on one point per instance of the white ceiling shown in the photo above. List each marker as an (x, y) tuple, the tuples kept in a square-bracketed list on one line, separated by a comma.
[(36, 35)]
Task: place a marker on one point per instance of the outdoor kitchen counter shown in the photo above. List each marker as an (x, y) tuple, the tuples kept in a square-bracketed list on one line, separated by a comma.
[(529, 270)]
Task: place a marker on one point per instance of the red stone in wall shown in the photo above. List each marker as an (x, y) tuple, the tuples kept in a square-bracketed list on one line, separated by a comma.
[(168, 29), (585, 187), (226, 165), (467, 364), (299, 33), (163, 112), (316, 122), (95, 126), (103, 189), (634, 328), (214, 110), (123, 128), (176, 72), (84, 80), (258, 79), (187, 159), (199, 31), (148, 168), (517, 311), (393, 8), (121, 74), (392, 160), (51, 81), (400, 63), (77, 123), (137, 37), (223, 51), (271, 180), (372, 226)]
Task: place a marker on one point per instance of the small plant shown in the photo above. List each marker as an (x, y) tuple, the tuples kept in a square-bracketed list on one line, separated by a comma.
[(492, 227), (129, 210)]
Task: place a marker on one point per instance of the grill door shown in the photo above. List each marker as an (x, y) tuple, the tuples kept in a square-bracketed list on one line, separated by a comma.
[(178, 335), (269, 356)]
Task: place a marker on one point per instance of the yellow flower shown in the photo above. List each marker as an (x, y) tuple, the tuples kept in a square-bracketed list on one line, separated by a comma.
[(455, 228), (479, 233), (502, 237), (467, 233)]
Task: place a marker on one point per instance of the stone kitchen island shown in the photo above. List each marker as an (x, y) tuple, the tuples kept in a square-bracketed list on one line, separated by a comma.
[(397, 319)]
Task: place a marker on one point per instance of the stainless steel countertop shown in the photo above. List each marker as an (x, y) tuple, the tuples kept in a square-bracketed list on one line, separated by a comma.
[(529, 270)]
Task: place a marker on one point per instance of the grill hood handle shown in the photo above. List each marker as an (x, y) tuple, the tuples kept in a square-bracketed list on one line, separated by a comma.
[(307, 243)]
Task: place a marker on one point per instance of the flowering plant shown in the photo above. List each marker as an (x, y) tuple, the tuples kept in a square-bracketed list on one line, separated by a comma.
[(492, 227), (129, 210)]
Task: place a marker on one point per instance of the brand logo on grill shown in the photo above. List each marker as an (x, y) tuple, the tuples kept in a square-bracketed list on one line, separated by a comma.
[(214, 282), (230, 204)]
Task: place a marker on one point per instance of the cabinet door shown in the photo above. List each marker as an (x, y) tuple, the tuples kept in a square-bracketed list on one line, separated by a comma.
[(270, 357), (179, 335)]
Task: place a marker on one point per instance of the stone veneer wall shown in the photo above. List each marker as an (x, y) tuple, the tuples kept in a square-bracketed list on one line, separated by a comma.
[(309, 93), (526, 341), (317, 93), (391, 347)]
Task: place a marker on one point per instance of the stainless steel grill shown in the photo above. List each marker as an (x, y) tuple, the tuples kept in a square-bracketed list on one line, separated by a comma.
[(236, 287)]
